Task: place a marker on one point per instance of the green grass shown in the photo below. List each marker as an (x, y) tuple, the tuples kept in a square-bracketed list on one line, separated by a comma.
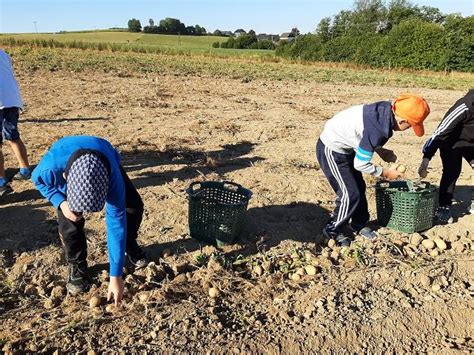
[(210, 65), (195, 44)]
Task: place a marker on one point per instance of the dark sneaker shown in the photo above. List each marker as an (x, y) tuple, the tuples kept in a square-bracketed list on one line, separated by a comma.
[(368, 233), (5, 190), (22, 177), (138, 261), (78, 281), (443, 214), (341, 239)]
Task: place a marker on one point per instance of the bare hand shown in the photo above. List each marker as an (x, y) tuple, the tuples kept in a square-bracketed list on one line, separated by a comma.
[(387, 155), (423, 169), (391, 174), (115, 289), (72, 216)]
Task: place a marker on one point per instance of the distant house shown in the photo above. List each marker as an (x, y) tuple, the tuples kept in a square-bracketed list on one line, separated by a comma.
[(287, 36), (227, 33), (239, 32), (268, 37)]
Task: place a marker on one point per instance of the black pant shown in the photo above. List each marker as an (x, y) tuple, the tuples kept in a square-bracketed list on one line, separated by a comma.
[(452, 165), (73, 237), (348, 184)]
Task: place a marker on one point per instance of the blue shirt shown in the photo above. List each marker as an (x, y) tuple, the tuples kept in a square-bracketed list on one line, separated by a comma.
[(49, 180)]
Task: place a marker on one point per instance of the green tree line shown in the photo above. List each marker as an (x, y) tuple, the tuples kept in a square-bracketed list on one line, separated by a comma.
[(170, 26), (390, 35)]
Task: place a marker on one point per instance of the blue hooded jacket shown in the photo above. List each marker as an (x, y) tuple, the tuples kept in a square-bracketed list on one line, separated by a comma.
[(49, 180)]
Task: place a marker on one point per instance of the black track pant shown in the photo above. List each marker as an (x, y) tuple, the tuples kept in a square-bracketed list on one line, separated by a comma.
[(348, 184), (452, 165), (72, 233)]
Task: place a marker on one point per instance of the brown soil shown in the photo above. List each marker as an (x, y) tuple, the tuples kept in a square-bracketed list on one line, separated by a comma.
[(172, 130)]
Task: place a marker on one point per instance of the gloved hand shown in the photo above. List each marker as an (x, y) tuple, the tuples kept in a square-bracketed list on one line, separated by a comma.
[(423, 169)]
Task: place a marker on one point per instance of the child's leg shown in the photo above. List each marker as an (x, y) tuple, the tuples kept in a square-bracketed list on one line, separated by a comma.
[(338, 169), (134, 205), (452, 165), (10, 130), (19, 150), (74, 241), (361, 214), (2, 160)]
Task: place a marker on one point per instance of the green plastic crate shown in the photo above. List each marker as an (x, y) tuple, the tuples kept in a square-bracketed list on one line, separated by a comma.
[(217, 211), (406, 206)]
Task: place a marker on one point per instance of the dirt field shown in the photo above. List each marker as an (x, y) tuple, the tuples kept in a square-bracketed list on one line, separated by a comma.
[(171, 130)]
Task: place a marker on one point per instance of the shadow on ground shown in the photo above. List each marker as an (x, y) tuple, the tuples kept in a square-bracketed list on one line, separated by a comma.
[(196, 163), (463, 195), (64, 119)]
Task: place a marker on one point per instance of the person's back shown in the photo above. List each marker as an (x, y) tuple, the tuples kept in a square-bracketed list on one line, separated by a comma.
[(9, 91), (10, 105)]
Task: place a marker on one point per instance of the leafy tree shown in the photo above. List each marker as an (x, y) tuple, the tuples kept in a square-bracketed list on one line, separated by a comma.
[(295, 32), (215, 45), (252, 33), (460, 43), (324, 29), (190, 30), (198, 30), (134, 25), (217, 33), (172, 26), (151, 22), (244, 41)]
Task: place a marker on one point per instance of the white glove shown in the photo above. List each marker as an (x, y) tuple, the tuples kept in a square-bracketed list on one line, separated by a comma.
[(423, 169)]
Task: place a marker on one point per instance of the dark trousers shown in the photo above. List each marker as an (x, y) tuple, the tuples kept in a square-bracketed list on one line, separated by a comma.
[(73, 237), (348, 184), (452, 165)]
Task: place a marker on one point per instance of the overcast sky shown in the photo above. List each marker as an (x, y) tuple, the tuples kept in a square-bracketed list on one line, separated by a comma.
[(270, 16)]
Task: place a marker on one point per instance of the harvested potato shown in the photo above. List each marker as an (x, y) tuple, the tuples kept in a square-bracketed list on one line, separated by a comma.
[(110, 308), (440, 243), (401, 168), (301, 271), (310, 270), (416, 239), (295, 277), (94, 302), (428, 244), (213, 292), (331, 243), (425, 280), (258, 270)]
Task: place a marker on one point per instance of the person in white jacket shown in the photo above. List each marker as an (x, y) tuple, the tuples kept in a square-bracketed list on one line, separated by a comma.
[(345, 149), (10, 105)]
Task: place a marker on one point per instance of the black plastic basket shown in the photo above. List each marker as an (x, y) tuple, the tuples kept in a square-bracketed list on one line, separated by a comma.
[(406, 206), (217, 211)]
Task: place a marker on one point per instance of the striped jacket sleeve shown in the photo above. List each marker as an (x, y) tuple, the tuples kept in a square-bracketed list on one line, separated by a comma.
[(362, 162), (451, 121)]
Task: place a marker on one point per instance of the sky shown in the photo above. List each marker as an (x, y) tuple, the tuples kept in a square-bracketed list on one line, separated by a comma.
[(269, 16)]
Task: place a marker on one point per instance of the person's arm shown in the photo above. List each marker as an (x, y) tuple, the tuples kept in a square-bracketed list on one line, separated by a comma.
[(116, 220), (369, 144), (47, 182)]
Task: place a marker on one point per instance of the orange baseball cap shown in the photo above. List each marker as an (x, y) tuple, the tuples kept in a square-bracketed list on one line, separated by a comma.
[(414, 109)]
